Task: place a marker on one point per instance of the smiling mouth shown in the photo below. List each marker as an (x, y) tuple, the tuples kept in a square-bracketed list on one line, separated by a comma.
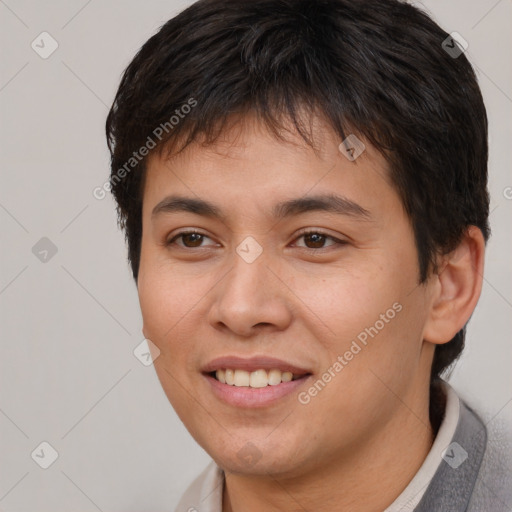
[(256, 379)]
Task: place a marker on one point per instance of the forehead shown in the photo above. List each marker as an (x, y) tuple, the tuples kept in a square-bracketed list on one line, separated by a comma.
[(248, 162)]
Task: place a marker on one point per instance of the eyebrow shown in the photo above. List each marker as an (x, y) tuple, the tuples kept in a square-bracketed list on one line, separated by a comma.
[(328, 203)]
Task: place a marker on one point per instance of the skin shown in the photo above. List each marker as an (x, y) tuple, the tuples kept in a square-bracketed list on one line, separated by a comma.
[(358, 442)]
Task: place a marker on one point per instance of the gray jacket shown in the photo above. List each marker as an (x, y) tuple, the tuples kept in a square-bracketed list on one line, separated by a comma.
[(475, 476)]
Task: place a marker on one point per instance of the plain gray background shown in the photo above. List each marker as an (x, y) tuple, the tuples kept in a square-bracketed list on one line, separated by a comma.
[(69, 324)]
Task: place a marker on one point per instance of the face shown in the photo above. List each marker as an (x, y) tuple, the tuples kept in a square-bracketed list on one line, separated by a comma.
[(302, 262)]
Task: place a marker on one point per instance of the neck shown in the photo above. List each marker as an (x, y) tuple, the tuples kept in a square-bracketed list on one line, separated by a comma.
[(365, 479)]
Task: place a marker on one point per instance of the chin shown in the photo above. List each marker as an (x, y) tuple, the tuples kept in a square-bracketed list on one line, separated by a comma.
[(257, 458)]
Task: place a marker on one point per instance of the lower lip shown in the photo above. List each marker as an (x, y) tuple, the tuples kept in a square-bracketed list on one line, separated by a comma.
[(242, 396)]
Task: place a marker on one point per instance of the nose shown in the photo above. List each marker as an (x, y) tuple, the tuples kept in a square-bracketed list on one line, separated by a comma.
[(250, 298)]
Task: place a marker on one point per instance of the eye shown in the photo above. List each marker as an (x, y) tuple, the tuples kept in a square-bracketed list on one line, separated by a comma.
[(190, 239), (315, 239)]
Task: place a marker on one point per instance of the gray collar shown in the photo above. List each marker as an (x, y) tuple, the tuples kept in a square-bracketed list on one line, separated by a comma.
[(453, 483)]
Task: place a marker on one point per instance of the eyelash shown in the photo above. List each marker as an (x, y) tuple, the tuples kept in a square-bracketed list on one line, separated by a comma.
[(299, 235)]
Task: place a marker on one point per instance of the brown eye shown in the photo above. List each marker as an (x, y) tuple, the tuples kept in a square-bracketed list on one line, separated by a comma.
[(314, 240), (190, 240)]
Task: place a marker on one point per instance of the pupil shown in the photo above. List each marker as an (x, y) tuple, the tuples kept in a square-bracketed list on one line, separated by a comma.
[(319, 239), (198, 239)]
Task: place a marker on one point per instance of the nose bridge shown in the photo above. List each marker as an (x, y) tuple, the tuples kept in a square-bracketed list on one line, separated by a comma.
[(246, 286), (249, 293)]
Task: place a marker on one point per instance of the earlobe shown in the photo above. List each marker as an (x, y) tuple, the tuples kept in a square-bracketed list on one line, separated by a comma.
[(456, 288)]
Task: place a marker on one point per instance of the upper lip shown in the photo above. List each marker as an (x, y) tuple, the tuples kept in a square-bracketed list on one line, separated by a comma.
[(251, 364)]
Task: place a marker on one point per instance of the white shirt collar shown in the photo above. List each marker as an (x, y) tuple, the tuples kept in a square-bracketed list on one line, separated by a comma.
[(412, 494)]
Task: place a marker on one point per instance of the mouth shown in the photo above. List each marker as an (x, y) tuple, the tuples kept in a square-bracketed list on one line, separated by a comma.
[(253, 382)]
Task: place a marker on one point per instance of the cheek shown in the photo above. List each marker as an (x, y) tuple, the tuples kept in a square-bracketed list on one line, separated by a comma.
[(369, 317), (378, 361), (344, 304), (164, 307), (164, 301)]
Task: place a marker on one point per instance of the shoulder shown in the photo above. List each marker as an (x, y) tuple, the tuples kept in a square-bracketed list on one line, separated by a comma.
[(475, 471), (493, 486)]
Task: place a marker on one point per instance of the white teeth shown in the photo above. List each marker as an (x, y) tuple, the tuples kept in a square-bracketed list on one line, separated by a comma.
[(230, 377), (241, 378), (287, 376), (255, 379), (274, 377), (259, 379), (221, 376)]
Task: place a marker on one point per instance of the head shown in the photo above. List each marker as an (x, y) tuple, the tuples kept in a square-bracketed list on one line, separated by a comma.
[(245, 105)]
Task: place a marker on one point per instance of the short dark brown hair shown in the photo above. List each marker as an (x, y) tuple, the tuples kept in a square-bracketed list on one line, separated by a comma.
[(377, 68)]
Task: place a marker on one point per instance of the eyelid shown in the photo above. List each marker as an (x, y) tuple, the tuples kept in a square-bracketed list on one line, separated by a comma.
[(319, 231)]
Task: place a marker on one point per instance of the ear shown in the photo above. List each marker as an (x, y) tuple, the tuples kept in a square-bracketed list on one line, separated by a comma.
[(456, 288)]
